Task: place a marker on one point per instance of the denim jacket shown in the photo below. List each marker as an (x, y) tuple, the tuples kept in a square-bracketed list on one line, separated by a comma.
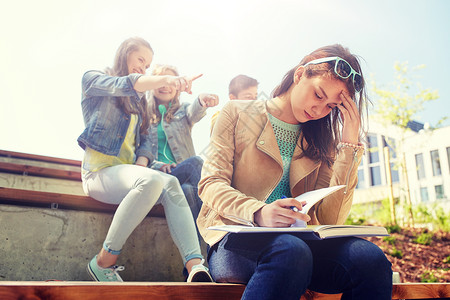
[(106, 124), (179, 132)]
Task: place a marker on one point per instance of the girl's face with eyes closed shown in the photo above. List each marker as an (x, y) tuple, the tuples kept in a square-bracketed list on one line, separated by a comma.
[(315, 97)]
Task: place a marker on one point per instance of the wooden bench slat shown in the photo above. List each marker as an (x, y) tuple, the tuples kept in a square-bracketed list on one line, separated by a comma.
[(173, 290), (421, 290), (123, 291), (65, 201), (39, 171), (66, 161)]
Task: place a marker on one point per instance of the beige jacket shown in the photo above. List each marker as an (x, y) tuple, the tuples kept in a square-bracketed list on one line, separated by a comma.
[(243, 166)]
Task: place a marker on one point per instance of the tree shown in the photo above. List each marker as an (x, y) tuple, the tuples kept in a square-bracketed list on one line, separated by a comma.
[(400, 105)]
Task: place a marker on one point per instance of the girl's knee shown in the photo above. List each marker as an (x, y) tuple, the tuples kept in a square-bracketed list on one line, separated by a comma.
[(197, 160), (371, 257), (293, 251), (195, 163), (151, 181)]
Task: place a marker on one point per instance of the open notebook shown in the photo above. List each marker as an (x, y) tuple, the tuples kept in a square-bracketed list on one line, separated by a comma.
[(311, 231)]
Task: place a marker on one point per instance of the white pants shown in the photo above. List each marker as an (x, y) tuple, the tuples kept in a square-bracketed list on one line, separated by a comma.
[(136, 190)]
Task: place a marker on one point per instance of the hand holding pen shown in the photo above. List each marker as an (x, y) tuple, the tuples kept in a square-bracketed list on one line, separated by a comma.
[(294, 208), (280, 213)]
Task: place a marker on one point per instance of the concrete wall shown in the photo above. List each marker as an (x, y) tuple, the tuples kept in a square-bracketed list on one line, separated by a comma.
[(45, 244)]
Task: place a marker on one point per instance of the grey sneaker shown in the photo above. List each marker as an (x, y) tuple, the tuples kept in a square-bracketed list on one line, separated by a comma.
[(98, 273), (199, 273)]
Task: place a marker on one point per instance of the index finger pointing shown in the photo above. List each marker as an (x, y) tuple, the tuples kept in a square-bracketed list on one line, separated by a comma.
[(195, 77)]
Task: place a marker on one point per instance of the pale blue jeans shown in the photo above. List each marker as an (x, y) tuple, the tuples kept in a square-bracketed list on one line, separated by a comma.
[(136, 190)]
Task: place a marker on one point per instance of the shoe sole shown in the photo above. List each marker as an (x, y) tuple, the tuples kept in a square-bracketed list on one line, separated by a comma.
[(91, 273), (201, 277)]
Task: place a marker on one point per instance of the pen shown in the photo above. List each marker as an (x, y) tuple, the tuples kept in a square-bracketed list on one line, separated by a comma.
[(292, 207)]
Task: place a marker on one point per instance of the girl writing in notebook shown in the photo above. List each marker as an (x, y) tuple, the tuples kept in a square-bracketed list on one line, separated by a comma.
[(308, 136)]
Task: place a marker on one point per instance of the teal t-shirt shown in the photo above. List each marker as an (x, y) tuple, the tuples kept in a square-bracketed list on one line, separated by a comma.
[(287, 136), (165, 155)]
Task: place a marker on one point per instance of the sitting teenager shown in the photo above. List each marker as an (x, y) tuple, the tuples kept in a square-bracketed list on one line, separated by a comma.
[(170, 133), (264, 153)]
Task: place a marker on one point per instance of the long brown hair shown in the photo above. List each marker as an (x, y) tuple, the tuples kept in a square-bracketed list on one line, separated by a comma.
[(322, 136), (153, 111), (120, 68)]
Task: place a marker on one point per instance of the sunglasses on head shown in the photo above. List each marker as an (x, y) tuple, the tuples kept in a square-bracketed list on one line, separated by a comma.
[(342, 69)]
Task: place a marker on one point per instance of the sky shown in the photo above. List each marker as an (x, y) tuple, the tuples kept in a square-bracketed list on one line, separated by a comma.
[(47, 45)]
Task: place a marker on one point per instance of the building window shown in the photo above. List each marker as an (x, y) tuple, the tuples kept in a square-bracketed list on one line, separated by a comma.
[(420, 167), (373, 148), (374, 160), (439, 190), (390, 143), (361, 183), (424, 194), (394, 173), (375, 175), (435, 163)]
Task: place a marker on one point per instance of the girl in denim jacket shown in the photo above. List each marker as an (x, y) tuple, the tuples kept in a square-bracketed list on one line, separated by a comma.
[(117, 153), (170, 131)]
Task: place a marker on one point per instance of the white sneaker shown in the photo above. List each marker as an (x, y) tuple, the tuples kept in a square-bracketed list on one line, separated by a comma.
[(199, 273)]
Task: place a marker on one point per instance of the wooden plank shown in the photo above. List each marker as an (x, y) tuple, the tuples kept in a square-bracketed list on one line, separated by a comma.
[(64, 201), (125, 291), (41, 158), (421, 291), (38, 163), (11, 290), (39, 171)]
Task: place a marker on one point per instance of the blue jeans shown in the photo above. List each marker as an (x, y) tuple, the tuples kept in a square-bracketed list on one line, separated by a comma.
[(283, 266), (188, 173)]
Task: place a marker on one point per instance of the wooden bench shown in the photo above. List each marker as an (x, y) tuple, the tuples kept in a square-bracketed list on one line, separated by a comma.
[(50, 199), (133, 290), (186, 291)]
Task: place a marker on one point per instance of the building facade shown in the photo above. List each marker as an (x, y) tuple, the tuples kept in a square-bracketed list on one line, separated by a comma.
[(427, 158)]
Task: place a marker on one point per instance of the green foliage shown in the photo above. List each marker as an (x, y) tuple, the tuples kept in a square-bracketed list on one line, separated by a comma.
[(442, 219), (403, 101), (424, 239), (447, 260), (393, 228), (400, 104), (355, 221), (428, 276), (396, 253), (379, 213), (390, 240), (370, 213), (432, 214)]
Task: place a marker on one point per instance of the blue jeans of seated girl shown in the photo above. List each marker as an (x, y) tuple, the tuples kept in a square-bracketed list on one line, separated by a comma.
[(136, 190), (283, 266), (188, 173)]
